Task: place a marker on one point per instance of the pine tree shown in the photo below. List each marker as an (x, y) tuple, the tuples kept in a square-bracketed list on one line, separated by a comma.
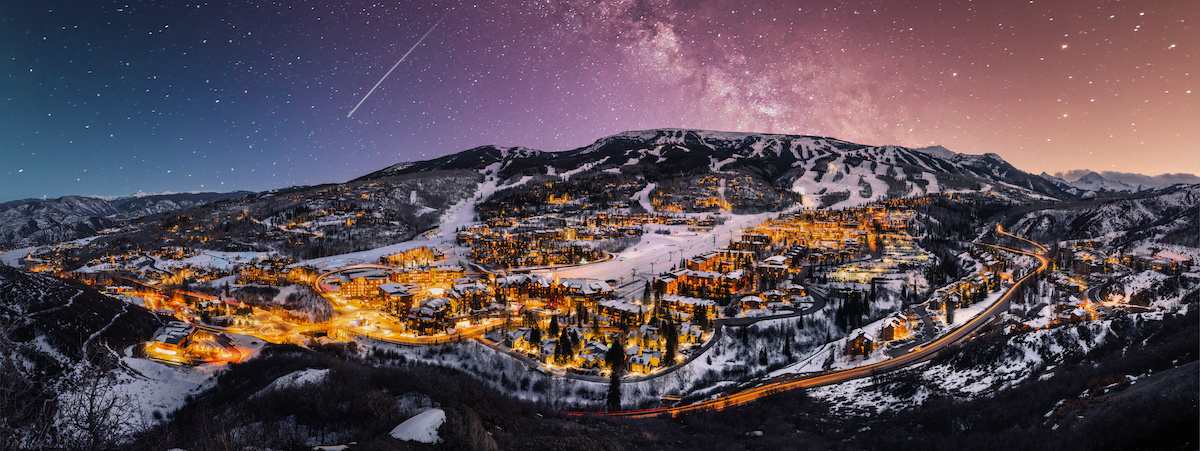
[(553, 330), (535, 336), (616, 361), (702, 317), (672, 336), (562, 350), (762, 357)]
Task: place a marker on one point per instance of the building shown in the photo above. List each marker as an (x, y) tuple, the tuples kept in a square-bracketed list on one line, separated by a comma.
[(586, 291), (859, 345), (686, 308), (616, 311), (894, 328), (429, 315), (171, 340), (398, 298), (363, 283)]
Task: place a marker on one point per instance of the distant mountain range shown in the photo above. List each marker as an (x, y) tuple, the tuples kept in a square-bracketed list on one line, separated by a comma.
[(32, 222), (1093, 184)]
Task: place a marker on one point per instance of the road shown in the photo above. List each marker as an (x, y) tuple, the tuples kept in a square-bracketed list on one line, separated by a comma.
[(918, 354)]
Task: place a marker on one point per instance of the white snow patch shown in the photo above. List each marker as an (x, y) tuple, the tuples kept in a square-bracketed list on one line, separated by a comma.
[(422, 427), (296, 379), (12, 257)]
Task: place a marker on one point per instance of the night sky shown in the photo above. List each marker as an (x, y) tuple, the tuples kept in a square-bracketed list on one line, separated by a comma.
[(104, 98)]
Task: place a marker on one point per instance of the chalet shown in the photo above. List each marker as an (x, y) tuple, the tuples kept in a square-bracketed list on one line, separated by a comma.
[(686, 307), (794, 290), (752, 303), (474, 294), (646, 336), (428, 315), (616, 311), (517, 339), (524, 285), (859, 345), (645, 361), (690, 333), (398, 298), (546, 350), (587, 291), (775, 296), (592, 355), (774, 269), (894, 328)]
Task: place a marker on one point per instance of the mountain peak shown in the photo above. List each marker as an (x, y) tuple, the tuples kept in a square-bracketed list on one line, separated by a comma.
[(938, 151)]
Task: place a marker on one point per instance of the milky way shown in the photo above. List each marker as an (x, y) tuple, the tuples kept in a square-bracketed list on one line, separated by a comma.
[(112, 98)]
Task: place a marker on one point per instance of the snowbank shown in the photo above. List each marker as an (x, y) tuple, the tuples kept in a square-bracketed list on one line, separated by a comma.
[(296, 379), (422, 427)]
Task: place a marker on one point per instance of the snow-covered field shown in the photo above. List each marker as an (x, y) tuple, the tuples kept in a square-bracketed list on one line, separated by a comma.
[(11, 258), (656, 253)]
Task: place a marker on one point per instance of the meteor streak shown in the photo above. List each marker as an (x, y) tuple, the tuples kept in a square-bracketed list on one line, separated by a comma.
[(389, 72)]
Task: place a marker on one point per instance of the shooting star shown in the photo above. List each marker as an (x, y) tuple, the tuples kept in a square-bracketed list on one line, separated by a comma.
[(389, 72)]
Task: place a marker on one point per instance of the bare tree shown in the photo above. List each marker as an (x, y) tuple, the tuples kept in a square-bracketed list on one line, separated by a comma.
[(26, 409), (92, 414)]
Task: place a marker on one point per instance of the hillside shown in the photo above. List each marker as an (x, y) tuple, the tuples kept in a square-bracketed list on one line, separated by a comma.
[(34, 222), (59, 322), (302, 222), (1169, 217)]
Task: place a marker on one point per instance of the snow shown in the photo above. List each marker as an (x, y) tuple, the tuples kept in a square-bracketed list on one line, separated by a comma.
[(656, 252), (154, 386), (12, 257), (582, 168), (296, 379), (422, 427), (964, 314), (643, 196)]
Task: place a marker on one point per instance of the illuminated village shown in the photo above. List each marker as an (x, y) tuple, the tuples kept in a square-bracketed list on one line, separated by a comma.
[(521, 285)]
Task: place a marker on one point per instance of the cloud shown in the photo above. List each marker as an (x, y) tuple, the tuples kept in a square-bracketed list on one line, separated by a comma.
[(1132, 178)]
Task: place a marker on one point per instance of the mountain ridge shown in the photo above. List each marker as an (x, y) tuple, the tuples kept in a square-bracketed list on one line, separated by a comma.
[(784, 160)]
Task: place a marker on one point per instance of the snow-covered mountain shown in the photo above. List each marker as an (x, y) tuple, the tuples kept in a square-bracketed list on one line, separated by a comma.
[(1167, 217), (1093, 183), (832, 170), (31, 222)]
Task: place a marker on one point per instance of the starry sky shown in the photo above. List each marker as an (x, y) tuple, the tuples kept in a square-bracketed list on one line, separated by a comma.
[(112, 98)]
